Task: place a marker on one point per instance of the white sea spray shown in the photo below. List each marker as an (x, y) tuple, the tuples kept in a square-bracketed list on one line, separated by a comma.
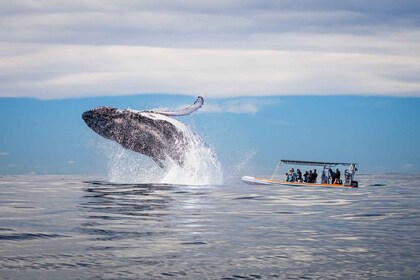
[(201, 165)]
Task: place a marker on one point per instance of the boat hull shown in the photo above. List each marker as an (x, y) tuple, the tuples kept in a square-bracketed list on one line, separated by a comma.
[(263, 181)]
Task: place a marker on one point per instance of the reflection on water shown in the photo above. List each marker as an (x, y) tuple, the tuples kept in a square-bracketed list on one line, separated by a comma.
[(116, 201), (55, 227)]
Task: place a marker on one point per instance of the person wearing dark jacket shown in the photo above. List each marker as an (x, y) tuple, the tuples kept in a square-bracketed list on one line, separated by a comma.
[(298, 176), (314, 176), (306, 177), (337, 179), (331, 175)]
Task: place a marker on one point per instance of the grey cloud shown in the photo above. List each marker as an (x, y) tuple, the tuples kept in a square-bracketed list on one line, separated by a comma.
[(373, 6), (56, 49), (197, 23)]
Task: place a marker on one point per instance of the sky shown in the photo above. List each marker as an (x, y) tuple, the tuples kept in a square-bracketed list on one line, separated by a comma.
[(315, 80), (229, 48), (249, 135)]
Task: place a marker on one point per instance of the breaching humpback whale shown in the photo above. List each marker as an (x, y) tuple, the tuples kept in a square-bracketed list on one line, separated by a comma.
[(149, 132)]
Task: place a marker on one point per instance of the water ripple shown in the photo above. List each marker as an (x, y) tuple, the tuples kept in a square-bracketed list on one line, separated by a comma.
[(57, 227), (28, 236)]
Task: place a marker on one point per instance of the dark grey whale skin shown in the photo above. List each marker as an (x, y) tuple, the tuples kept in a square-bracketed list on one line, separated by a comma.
[(142, 132)]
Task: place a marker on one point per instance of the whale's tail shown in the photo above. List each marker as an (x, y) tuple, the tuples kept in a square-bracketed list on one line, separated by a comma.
[(182, 112)]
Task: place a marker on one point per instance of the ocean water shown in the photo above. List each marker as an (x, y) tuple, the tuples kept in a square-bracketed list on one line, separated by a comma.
[(82, 227)]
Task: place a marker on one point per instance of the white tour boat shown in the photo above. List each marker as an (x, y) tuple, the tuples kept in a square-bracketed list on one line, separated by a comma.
[(325, 178)]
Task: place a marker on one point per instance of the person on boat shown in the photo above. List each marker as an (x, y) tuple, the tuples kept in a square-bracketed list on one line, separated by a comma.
[(291, 175), (331, 175), (337, 177), (294, 176), (305, 176), (324, 178), (310, 176), (298, 176), (314, 176)]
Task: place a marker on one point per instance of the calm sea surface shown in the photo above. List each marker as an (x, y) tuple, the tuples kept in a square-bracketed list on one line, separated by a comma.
[(75, 227)]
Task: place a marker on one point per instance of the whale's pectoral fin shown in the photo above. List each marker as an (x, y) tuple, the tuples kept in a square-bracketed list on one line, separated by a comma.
[(183, 112)]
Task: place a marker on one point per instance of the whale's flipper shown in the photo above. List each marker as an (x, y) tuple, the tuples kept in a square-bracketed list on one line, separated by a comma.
[(183, 112)]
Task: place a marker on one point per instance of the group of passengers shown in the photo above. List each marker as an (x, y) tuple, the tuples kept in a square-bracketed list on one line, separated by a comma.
[(310, 177), (333, 177)]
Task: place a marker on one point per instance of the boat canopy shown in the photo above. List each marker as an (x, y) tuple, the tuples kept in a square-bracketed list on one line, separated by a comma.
[(348, 173), (315, 163)]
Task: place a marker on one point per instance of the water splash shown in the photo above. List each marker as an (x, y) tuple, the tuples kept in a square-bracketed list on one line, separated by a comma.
[(201, 166), (125, 166), (244, 165)]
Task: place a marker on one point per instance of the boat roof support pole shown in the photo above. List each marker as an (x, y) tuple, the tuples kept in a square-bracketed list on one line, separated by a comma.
[(276, 170)]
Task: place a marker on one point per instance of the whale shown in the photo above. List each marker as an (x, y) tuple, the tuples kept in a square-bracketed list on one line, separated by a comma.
[(154, 133)]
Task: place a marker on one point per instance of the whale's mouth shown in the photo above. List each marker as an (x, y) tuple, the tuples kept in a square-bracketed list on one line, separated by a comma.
[(92, 120), (98, 118), (88, 117)]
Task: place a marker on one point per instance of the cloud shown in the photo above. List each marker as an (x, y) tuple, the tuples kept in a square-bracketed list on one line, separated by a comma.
[(4, 154), (244, 108), (238, 106), (215, 48), (71, 162), (408, 166)]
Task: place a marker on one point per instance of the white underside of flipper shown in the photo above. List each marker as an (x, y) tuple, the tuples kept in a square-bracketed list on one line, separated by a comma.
[(183, 112)]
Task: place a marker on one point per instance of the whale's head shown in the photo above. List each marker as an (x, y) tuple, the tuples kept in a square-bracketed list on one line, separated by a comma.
[(102, 120)]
